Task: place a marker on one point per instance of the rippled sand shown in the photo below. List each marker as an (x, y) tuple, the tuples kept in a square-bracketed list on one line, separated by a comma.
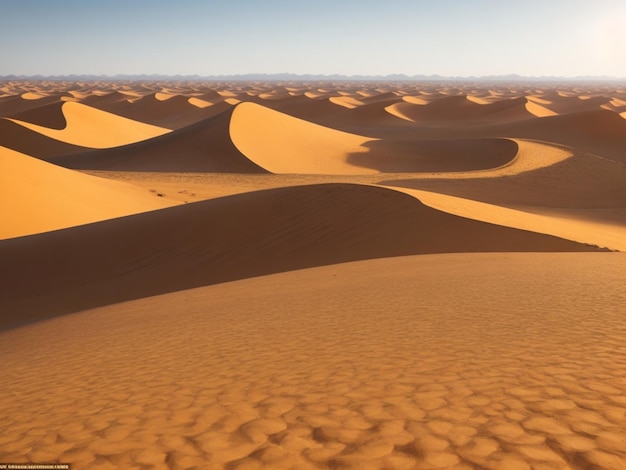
[(498, 361)]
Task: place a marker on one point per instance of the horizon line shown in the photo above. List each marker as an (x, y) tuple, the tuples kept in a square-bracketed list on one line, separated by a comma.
[(310, 76)]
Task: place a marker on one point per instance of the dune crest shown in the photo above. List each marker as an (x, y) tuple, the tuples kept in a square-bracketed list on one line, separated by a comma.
[(236, 237), (39, 197), (611, 236), (90, 127), (285, 144), (538, 110)]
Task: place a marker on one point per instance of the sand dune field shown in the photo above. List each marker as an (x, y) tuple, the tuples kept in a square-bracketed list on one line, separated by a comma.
[(310, 275)]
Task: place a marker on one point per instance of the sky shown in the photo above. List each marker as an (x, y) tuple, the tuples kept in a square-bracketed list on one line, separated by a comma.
[(564, 38)]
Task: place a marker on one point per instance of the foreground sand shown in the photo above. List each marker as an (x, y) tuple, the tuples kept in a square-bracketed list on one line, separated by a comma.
[(434, 361), (313, 275)]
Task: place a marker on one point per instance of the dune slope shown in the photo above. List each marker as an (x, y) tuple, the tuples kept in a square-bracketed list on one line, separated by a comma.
[(93, 128), (489, 361), (235, 237), (284, 144), (30, 142), (37, 197), (205, 146)]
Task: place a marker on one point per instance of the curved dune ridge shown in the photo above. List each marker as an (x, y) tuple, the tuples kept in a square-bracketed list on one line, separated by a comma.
[(601, 132), (49, 115), (458, 108), (235, 237), (13, 104), (515, 156), (38, 197), (205, 146), (456, 157), (539, 110), (174, 112), (90, 127), (433, 362), (30, 142), (284, 144), (611, 236)]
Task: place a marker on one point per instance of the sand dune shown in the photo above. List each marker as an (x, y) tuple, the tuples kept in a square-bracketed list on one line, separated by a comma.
[(453, 156), (232, 238), (173, 113), (346, 101), (539, 110), (39, 197), (601, 132), (611, 236), (16, 104), (199, 103), (567, 180), (50, 116), (577, 104), (437, 361), (204, 146), (459, 108), (30, 142), (86, 127), (284, 144)]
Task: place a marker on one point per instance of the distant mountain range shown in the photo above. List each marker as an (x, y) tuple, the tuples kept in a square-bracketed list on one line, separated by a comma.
[(313, 77)]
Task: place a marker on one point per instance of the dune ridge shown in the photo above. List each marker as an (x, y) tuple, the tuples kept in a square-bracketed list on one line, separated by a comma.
[(203, 146), (236, 237), (284, 144), (38, 197), (85, 125)]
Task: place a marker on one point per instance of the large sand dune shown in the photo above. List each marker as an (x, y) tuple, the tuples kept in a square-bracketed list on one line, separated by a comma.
[(204, 146), (283, 144), (235, 237), (312, 275)]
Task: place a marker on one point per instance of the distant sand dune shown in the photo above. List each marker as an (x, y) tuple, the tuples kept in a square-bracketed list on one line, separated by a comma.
[(50, 116), (38, 197), (576, 104), (175, 112), (602, 132), (457, 108), (13, 104), (30, 142), (539, 110), (346, 101), (199, 103), (91, 127), (204, 146)]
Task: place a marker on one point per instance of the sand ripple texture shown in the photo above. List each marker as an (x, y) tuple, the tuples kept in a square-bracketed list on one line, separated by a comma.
[(487, 361)]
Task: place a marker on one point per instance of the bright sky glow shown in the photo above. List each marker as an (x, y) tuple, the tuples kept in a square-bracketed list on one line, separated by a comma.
[(445, 37)]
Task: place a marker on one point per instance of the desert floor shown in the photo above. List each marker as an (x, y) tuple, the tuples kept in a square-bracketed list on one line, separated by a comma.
[(313, 275)]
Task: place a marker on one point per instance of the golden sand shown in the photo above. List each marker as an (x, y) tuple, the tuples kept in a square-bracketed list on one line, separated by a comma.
[(312, 275)]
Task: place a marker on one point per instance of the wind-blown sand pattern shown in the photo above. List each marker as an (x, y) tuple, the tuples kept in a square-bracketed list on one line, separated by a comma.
[(312, 275)]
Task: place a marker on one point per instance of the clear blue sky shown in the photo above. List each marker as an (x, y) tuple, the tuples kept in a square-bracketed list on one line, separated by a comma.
[(213, 37)]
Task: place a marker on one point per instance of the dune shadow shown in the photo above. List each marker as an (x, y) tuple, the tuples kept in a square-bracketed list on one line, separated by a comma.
[(435, 155)]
